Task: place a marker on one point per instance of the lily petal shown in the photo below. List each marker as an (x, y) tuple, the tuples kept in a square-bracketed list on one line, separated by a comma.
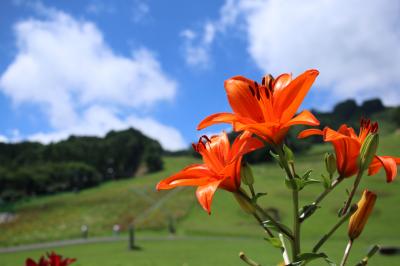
[(292, 96), (205, 194), (217, 119), (193, 175), (332, 135), (242, 98), (243, 144), (310, 132), (264, 130), (304, 118), (389, 164), (281, 82)]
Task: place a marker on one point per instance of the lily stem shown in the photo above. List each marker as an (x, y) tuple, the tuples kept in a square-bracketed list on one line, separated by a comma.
[(284, 252), (252, 191), (321, 196), (295, 198), (334, 228), (346, 253), (260, 221), (266, 215), (352, 192)]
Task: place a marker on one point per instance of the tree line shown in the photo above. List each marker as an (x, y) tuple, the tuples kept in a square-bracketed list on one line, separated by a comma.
[(31, 168)]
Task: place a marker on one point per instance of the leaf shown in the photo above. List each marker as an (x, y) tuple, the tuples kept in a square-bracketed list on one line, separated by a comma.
[(258, 195), (288, 153), (268, 224), (301, 183), (326, 181), (308, 210), (293, 184), (310, 182), (307, 257), (274, 241), (307, 174), (276, 157)]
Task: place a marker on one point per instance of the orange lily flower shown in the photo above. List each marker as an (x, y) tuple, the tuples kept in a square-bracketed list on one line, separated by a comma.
[(221, 168), (360, 217), (347, 145), (267, 110)]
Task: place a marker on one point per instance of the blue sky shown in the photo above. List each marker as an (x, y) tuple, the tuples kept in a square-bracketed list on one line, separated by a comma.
[(86, 67)]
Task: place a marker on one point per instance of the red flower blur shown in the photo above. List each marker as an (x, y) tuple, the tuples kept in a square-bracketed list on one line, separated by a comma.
[(221, 168), (52, 260)]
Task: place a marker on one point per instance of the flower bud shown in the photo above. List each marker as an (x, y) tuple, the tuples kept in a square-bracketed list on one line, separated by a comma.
[(288, 153), (247, 175), (360, 217), (368, 150), (330, 163), (244, 203)]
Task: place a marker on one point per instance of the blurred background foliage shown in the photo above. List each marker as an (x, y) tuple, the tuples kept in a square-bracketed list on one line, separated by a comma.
[(29, 168)]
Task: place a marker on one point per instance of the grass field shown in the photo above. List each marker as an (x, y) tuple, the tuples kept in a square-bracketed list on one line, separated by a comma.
[(60, 217)]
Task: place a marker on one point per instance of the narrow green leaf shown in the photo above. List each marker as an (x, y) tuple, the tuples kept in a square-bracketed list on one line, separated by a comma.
[(274, 241), (307, 174), (307, 257), (288, 153), (268, 224)]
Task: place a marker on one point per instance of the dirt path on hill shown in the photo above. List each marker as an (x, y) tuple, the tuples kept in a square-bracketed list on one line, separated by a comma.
[(80, 241)]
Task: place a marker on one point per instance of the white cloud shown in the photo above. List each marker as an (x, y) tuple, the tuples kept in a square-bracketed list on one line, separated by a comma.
[(197, 47), (140, 11), (354, 44), (64, 66), (3, 138), (98, 120), (99, 8)]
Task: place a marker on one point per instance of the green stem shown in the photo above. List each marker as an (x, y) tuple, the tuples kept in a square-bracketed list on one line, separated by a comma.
[(296, 223), (260, 221), (352, 192), (265, 214), (310, 209), (284, 251), (346, 253), (295, 197), (369, 255), (253, 193), (334, 228)]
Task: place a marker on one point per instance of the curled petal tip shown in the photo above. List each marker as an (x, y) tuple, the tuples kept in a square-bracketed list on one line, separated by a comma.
[(313, 72), (161, 185)]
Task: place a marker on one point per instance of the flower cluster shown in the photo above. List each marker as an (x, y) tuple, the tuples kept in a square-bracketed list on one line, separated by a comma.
[(263, 113)]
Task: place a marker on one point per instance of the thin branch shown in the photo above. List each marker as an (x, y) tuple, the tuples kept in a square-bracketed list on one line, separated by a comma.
[(334, 228), (321, 196)]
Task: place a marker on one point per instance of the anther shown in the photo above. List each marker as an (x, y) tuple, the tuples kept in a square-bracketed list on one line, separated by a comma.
[(251, 90), (205, 137)]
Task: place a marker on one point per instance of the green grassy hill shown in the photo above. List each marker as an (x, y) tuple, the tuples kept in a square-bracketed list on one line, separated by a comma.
[(60, 217)]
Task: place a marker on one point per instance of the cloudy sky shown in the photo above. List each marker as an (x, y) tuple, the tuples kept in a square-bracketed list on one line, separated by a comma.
[(86, 67)]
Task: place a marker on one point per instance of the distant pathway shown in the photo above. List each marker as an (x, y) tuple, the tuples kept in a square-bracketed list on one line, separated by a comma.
[(71, 242)]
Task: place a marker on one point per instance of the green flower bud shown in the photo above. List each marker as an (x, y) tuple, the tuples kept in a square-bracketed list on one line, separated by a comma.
[(288, 153), (244, 203), (247, 175), (368, 151), (330, 163)]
